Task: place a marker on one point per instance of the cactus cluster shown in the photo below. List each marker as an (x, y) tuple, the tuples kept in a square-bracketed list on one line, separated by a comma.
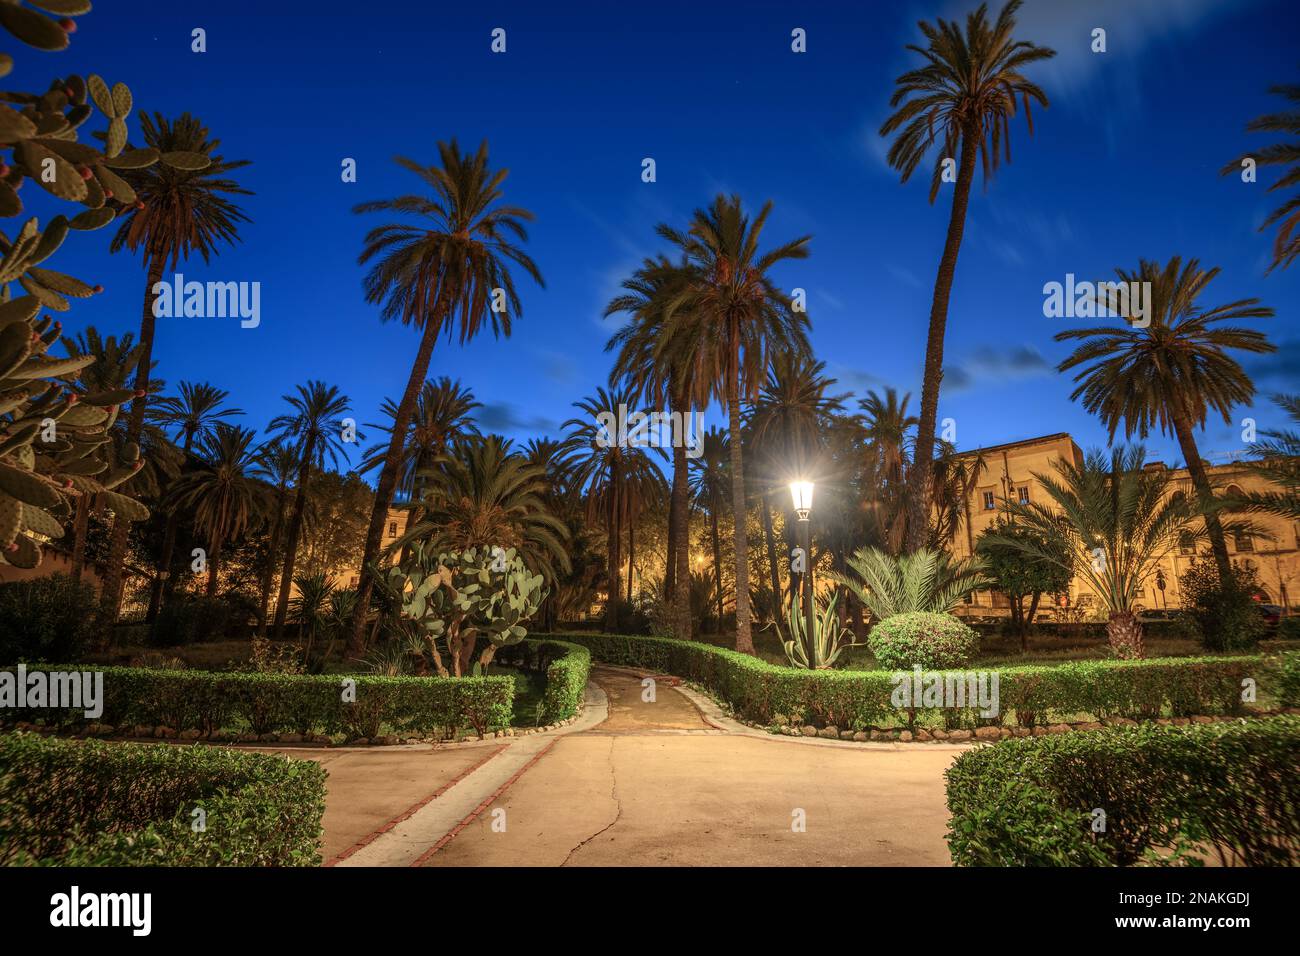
[(52, 438), (459, 596), (34, 28)]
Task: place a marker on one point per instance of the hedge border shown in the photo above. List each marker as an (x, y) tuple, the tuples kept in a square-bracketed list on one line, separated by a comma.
[(1169, 795), (207, 701), (566, 679), (88, 803), (1035, 695)]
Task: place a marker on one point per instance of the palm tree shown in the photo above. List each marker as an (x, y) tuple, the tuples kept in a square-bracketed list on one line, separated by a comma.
[(648, 369), (619, 479), (192, 413), (709, 485), (1286, 245), (277, 465), (724, 326), (1113, 522), (1278, 464), (453, 263), (178, 212), (224, 494), (482, 495), (887, 429), (923, 581), (965, 96), (1173, 373), (315, 428)]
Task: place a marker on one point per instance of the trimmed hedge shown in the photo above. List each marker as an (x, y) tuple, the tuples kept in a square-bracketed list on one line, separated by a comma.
[(566, 666), (766, 693), (207, 701), (1170, 796), (87, 803)]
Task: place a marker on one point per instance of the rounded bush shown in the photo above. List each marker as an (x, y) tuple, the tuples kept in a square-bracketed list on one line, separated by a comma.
[(49, 618), (190, 619), (922, 639)]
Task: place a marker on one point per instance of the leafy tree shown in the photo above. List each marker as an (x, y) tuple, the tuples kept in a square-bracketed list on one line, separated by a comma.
[(1224, 619), (1020, 573), (963, 98)]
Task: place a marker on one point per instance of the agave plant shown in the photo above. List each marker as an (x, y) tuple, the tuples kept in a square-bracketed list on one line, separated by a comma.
[(927, 580), (827, 641)]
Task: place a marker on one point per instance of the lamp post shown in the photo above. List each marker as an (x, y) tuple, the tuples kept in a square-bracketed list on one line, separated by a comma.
[(801, 492)]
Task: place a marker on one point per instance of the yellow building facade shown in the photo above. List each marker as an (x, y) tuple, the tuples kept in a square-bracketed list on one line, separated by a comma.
[(1009, 474)]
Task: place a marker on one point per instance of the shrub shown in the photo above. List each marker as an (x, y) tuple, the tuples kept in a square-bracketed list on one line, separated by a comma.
[(1288, 629), (86, 803), (922, 639), (207, 701), (1167, 792), (1288, 680), (765, 693), (566, 680), (46, 618), (1223, 619), (190, 619)]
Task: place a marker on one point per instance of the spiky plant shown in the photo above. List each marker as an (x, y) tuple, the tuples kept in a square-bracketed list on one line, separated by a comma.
[(1286, 244), (1279, 464), (827, 643), (926, 580)]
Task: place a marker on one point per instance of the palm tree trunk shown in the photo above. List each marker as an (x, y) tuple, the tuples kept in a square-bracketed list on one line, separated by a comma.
[(771, 563), (918, 502), (291, 545), (213, 562), (670, 558), (1204, 491), (744, 642), (717, 560), (679, 534), (268, 574), (388, 481), (79, 524), (110, 598), (163, 575), (613, 547), (631, 554)]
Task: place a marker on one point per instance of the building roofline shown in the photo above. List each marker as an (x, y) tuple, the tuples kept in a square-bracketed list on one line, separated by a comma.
[(1019, 444)]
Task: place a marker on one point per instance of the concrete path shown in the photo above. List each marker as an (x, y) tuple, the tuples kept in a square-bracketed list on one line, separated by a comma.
[(669, 782)]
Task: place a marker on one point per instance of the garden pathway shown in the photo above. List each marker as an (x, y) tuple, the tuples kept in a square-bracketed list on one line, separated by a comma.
[(668, 782)]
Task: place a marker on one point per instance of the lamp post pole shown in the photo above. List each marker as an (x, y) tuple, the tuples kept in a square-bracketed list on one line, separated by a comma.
[(802, 492)]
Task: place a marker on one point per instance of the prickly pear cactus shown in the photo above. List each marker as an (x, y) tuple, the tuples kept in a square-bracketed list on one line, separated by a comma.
[(52, 438), (462, 595)]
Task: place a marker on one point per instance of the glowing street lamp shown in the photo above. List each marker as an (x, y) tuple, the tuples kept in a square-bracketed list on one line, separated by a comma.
[(801, 494)]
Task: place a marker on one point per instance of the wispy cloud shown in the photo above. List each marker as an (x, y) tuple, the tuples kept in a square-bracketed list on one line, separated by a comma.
[(989, 366), (504, 418)]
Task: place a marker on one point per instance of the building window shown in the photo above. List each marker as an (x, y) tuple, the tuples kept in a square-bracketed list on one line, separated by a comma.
[(1022, 494), (1186, 543), (988, 501), (392, 529), (1243, 542)]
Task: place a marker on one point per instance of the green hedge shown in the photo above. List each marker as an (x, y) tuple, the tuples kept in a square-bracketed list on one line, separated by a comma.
[(87, 803), (1229, 788), (296, 703), (566, 679), (766, 693)]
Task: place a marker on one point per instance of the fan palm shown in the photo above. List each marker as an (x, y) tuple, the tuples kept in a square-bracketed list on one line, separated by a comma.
[(1113, 521), (1174, 372), (450, 270), (1279, 464), (724, 326), (223, 494), (962, 98), (178, 212), (648, 369), (314, 426), (925, 580), (1286, 245), (192, 413), (481, 495)]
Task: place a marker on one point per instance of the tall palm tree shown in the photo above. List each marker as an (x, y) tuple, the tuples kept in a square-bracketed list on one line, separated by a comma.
[(192, 413), (277, 465), (647, 369), (1112, 522), (482, 495), (1286, 244), (1172, 374), (709, 485), (224, 494), (725, 324), (964, 97), (442, 414), (448, 270), (888, 430), (617, 478), (178, 212), (315, 428)]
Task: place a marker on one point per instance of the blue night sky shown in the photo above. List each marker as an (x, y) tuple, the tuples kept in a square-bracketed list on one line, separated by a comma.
[(1123, 165)]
